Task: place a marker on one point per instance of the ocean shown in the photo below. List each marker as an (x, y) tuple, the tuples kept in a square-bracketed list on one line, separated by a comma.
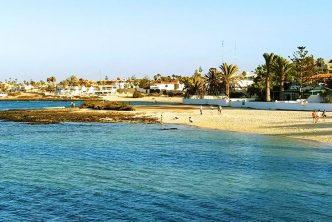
[(142, 172), (9, 105)]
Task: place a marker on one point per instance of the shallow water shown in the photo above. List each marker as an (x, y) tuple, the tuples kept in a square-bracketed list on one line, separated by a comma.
[(8, 105), (137, 172)]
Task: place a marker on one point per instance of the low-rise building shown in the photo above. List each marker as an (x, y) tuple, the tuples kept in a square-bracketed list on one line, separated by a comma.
[(28, 88), (106, 90), (166, 86), (243, 84), (329, 66)]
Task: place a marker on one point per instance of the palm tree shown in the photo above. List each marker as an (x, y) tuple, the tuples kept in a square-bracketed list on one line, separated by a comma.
[(228, 76), (157, 77), (72, 80), (198, 83), (269, 59), (213, 80), (64, 84), (51, 80), (83, 82), (282, 68), (194, 85), (320, 63)]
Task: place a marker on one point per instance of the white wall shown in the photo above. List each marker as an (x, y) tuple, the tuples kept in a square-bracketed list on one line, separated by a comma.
[(314, 99), (142, 90), (243, 103), (162, 86), (290, 106), (216, 102)]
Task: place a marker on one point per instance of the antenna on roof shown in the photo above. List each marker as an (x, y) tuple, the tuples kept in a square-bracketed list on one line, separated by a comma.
[(222, 51), (100, 75), (235, 52)]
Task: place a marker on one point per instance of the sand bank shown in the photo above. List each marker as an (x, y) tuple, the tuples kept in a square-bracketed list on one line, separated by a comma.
[(145, 99), (295, 124)]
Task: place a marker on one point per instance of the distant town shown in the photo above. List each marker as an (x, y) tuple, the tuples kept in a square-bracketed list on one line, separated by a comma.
[(277, 79)]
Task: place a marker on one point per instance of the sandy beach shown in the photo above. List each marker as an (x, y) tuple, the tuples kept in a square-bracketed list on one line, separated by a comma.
[(294, 124), (145, 99)]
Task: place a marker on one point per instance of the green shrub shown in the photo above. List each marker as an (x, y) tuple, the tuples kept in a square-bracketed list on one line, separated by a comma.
[(175, 93), (137, 94), (120, 90), (102, 105), (155, 94), (328, 100)]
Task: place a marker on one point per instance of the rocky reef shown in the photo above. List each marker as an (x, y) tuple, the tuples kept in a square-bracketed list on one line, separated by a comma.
[(51, 116)]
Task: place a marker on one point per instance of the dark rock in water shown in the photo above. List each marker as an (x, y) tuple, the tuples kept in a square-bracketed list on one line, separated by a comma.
[(43, 122), (56, 116), (172, 128)]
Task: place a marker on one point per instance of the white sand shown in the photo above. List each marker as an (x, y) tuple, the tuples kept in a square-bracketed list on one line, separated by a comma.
[(295, 124), (145, 99)]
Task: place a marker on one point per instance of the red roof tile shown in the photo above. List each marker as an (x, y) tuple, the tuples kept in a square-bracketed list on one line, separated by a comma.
[(321, 76)]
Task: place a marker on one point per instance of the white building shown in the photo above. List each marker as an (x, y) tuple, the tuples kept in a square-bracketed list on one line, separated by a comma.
[(243, 84), (28, 88), (73, 91), (106, 90), (119, 84), (168, 86)]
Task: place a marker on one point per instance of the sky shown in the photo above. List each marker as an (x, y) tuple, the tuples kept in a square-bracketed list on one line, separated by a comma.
[(124, 38)]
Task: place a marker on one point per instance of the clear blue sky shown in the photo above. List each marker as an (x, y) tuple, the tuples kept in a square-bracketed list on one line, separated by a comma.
[(92, 38)]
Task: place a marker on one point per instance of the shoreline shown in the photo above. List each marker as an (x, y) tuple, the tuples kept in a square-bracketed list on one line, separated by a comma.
[(116, 98), (258, 134), (290, 124)]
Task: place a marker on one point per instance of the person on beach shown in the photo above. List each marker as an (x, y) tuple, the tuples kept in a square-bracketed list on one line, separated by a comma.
[(314, 116), (201, 110), (319, 114), (161, 118), (219, 109), (324, 114)]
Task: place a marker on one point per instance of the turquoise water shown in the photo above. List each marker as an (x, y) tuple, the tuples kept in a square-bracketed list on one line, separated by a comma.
[(137, 172), (8, 105), (139, 103)]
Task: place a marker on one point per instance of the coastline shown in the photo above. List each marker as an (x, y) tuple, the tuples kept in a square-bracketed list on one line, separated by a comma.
[(117, 98), (292, 124)]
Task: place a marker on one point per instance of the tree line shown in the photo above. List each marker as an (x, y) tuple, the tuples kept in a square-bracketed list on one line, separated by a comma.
[(277, 73)]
